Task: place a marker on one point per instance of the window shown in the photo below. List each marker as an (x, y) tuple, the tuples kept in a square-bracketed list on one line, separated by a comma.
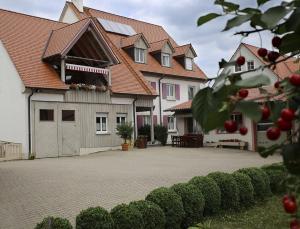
[(171, 123), (250, 65), (101, 123), (68, 115), (146, 120), (121, 119), (191, 92), (264, 125), (139, 55), (238, 68), (46, 115), (170, 89), (238, 117), (166, 60), (189, 64)]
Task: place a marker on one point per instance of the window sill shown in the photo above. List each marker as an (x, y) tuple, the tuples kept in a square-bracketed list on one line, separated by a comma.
[(171, 99), (172, 131), (103, 133)]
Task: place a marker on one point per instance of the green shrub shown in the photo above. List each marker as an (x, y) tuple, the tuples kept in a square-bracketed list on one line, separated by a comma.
[(170, 202), (245, 187), (229, 189), (145, 131), (127, 217), (277, 166), (277, 174), (260, 182), (94, 218), (153, 215), (54, 223), (193, 203), (161, 134), (211, 193)]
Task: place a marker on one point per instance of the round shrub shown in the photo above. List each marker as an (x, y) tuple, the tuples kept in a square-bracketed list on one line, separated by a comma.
[(94, 218), (127, 217), (277, 174), (211, 193), (153, 215), (245, 187), (170, 202), (229, 189), (54, 223), (193, 203), (260, 182)]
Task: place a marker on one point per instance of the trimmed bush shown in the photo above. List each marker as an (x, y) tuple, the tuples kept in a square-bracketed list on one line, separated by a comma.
[(94, 218), (127, 217), (211, 193), (153, 215), (260, 182), (193, 203), (54, 223), (229, 189), (161, 134), (245, 187), (277, 174), (170, 202)]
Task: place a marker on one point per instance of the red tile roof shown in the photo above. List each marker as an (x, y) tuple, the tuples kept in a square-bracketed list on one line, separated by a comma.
[(129, 41), (182, 50), (158, 45), (181, 107)]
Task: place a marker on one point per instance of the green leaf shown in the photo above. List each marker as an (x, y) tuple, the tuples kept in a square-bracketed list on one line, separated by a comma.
[(229, 6), (290, 43), (274, 15), (206, 18), (250, 109), (276, 108), (254, 81), (261, 2), (223, 63), (237, 21), (250, 11)]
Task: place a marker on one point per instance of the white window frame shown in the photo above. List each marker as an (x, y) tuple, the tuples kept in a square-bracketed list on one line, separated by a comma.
[(189, 64), (166, 60), (171, 125), (194, 92), (120, 117), (237, 68), (146, 120), (102, 130), (169, 89), (250, 65), (140, 55)]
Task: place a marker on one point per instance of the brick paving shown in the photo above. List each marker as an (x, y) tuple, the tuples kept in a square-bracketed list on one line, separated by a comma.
[(31, 190)]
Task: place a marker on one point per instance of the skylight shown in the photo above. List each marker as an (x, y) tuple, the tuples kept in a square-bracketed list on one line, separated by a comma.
[(115, 27)]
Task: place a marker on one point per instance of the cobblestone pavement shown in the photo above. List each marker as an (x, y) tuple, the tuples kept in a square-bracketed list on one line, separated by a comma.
[(31, 190)]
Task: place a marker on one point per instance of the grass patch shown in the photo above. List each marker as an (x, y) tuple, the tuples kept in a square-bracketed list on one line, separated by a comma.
[(266, 215)]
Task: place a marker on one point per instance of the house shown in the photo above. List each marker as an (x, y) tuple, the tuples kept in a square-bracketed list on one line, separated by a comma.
[(66, 85), (256, 136)]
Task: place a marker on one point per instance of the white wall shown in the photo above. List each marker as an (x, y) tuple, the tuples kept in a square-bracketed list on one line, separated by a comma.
[(68, 16), (13, 102)]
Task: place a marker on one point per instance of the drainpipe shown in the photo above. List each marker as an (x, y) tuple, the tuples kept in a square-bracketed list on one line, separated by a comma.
[(134, 123), (159, 93), (29, 121)]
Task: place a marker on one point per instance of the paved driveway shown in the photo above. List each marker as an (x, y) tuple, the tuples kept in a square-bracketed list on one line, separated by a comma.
[(31, 190)]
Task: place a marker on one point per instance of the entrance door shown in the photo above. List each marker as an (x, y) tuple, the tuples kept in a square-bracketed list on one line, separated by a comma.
[(189, 125)]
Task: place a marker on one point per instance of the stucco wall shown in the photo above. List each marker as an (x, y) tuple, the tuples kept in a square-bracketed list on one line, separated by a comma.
[(13, 102)]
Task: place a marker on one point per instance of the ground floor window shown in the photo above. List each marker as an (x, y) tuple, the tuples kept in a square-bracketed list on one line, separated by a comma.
[(101, 123), (121, 119), (171, 123), (264, 125)]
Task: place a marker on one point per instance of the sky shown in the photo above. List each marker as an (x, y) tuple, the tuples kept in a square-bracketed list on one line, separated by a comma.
[(178, 17)]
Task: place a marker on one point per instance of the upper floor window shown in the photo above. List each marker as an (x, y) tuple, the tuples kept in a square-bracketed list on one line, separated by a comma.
[(250, 65), (101, 123), (170, 91), (121, 119), (139, 55), (191, 92), (188, 63), (166, 60), (237, 68)]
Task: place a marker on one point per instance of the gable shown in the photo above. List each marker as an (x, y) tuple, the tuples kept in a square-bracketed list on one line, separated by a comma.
[(167, 48), (140, 43)]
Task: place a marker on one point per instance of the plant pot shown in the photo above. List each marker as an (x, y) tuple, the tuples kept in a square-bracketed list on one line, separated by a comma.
[(141, 142), (125, 147)]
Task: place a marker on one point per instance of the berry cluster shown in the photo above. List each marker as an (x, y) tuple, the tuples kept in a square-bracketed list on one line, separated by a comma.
[(290, 206), (271, 56)]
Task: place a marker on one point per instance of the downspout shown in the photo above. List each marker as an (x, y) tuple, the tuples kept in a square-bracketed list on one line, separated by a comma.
[(29, 122), (159, 93), (134, 123)]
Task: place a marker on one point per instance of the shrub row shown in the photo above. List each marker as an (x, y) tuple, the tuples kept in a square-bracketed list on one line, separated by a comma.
[(184, 204)]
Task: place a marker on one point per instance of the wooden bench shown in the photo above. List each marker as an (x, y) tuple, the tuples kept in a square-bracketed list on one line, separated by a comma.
[(226, 143)]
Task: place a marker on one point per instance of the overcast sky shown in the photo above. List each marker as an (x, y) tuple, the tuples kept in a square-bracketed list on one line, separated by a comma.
[(178, 17)]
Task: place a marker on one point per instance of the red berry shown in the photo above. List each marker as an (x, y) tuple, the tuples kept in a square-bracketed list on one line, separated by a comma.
[(262, 52), (288, 197), (273, 56), (284, 125), (243, 93), (295, 80), (243, 130), (288, 114), (295, 224), (273, 133), (276, 42), (290, 206), (230, 126), (277, 84), (265, 113), (241, 61)]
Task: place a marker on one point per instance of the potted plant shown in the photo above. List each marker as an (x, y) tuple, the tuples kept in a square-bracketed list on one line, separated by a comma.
[(141, 141), (125, 131)]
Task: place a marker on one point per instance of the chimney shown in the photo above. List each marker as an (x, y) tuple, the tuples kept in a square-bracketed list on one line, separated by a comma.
[(78, 4)]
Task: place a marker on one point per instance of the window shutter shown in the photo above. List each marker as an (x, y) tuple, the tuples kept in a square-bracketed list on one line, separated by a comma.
[(155, 120), (164, 91), (139, 119), (177, 92), (165, 120), (153, 84)]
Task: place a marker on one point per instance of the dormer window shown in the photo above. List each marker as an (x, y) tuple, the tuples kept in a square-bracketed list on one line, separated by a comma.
[(189, 64), (166, 60), (139, 55)]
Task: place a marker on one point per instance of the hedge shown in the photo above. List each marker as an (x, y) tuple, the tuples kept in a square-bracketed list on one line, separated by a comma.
[(54, 223), (277, 174), (246, 190), (260, 182), (94, 218), (127, 217), (229, 189), (211, 193), (170, 202), (153, 215), (193, 203)]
